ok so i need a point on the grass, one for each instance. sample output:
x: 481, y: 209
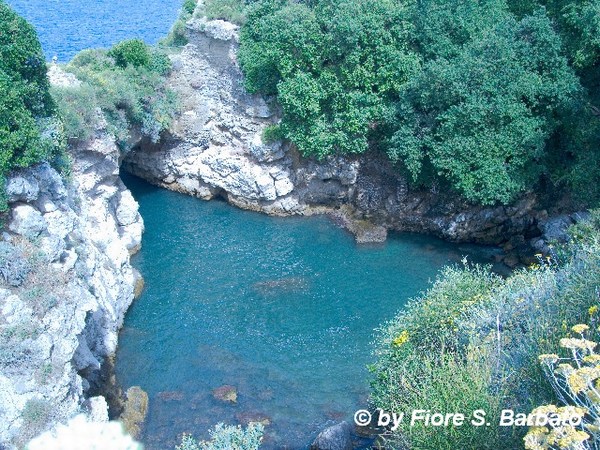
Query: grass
x: 126, y: 83
x: 472, y: 341
x: 230, y: 10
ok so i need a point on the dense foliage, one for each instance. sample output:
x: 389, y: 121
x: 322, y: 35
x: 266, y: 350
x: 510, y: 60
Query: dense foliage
x: 127, y: 83
x: 227, y: 437
x: 472, y: 342
x: 28, y: 132
x: 488, y: 97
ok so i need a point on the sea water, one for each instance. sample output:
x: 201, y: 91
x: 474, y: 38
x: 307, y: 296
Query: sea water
x: 281, y: 309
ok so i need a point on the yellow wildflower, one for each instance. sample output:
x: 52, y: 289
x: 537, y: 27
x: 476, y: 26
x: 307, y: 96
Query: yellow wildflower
x: 580, y: 328
x: 564, y: 369
x: 593, y: 310
x: 592, y: 359
x: 576, y: 382
x: 572, y: 437
x: 582, y: 344
x: 401, y: 339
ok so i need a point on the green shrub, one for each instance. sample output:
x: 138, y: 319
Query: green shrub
x: 472, y: 340
x: 127, y: 84
x: 132, y: 52
x: 36, y: 412
x: 176, y: 36
x: 28, y: 131
x: 36, y: 416
x: 22, y: 60
x: 442, y: 382
x: 189, y: 6
x: 272, y: 133
x: 76, y: 107
x: 230, y: 10
x: 226, y: 437
x: 159, y: 63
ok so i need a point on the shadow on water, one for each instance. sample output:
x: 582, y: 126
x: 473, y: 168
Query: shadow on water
x: 281, y: 309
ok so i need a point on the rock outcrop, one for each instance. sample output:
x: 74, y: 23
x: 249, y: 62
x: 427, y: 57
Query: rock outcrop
x: 215, y: 148
x: 65, y: 284
x: 336, y: 437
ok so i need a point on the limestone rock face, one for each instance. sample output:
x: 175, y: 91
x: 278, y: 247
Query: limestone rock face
x: 65, y: 284
x: 215, y: 147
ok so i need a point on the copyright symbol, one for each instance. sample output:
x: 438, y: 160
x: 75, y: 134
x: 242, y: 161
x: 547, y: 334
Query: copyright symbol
x: 362, y: 417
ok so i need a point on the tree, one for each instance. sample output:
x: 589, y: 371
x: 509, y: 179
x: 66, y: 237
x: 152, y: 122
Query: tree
x: 333, y: 67
x: 482, y: 118
x: 22, y: 59
x: 27, y: 133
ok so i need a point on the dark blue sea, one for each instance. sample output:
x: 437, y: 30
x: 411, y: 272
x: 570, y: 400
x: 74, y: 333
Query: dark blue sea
x: 66, y: 27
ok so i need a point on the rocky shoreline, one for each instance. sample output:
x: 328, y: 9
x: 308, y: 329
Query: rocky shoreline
x: 66, y: 282
x: 215, y: 148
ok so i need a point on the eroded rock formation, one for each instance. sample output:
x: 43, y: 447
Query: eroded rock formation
x: 215, y: 148
x: 65, y: 284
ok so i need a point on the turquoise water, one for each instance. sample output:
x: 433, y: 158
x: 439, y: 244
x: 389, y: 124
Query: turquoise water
x: 66, y: 27
x: 281, y: 308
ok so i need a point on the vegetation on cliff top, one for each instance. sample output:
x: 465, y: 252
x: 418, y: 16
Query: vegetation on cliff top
x: 490, y: 98
x: 127, y: 83
x: 29, y: 131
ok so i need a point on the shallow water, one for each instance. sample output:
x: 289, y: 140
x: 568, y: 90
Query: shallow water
x: 66, y: 27
x: 281, y: 308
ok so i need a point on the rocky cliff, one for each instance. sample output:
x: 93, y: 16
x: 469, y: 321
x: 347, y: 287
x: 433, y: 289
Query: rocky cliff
x: 215, y: 148
x: 65, y: 284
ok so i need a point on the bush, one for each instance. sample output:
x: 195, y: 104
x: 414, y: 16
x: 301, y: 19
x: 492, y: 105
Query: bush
x: 14, y: 267
x: 36, y: 416
x: 28, y: 132
x: 230, y: 10
x: 76, y: 106
x: 133, y: 52
x: 272, y: 133
x: 127, y: 83
x: 226, y: 437
x: 22, y: 60
x: 176, y: 36
x: 473, y: 339
x: 189, y: 6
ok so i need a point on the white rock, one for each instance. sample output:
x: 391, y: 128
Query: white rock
x: 127, y: 210
x: 58, y: 77
x: 283, y: 186
x: 22, y: 188
x: 26, y: 221
x: 97, y: 409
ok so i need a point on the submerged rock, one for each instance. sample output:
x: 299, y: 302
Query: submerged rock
x: 135, y: 411
x: 247, y: 417
x: 336, y: 437
x: 226, y: 394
